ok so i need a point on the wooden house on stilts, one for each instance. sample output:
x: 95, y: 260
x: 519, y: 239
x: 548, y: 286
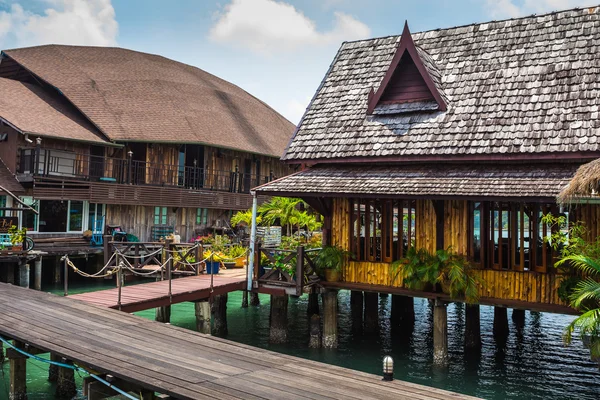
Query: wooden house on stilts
x: 458, y: 137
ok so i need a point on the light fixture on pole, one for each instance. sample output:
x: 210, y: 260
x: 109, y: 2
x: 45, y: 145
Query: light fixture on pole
x: 388, y: 368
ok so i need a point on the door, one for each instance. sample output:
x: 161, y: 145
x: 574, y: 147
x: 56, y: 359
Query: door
x: 247, y: 176
x: 96, y: 162
x: 138, y: 168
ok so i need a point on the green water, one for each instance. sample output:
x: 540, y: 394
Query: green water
x: 534, y: 363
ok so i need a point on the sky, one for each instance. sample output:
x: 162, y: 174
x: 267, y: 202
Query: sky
x: 277, y: 50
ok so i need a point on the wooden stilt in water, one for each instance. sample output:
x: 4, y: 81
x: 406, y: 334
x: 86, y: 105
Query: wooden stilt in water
x: 403, y: 311
x: 500, y: 323
x: 37, y: 274
x: 23, y: 274
x: 356, y: 309
x: 371, y: 316
x: 315, y: 332
x: 163, y: 314
x: 18, y: 375
x: 254, y: 300
x: 10, y: 273
x: 313, y: 304
x: 472, y: 327
x: 245, y: 299
x: 518, y: 318
x: 440, y: 334
x: 219, y: 315
x: 57, y: 269
x: 65, y: 387
x: 278, y: 319
x: 202, y: 311
x: 330, y: 328
x: 53, y: 369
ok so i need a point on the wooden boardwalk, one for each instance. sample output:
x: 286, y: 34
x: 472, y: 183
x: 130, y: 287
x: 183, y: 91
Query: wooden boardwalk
x: 182, y: 363
x: 156, y: 294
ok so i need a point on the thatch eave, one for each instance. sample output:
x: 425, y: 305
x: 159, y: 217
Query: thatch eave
x: 584, y: 184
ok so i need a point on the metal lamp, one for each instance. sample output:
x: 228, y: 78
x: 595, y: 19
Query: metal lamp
x: 388, y: 368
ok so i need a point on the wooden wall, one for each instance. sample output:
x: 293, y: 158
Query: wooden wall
x: 8, y: 148
x: 499, y: 285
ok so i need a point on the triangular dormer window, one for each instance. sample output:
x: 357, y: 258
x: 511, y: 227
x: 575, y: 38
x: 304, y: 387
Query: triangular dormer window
x: 410, y: 84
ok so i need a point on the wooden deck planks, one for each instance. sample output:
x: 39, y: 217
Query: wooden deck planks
x: 180, y: 362
x: 156, y: 294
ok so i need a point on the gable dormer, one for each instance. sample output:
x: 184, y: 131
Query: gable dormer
x: 411, y: 82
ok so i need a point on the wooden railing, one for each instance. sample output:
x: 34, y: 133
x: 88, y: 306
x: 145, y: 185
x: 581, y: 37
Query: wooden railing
x: 289, y: 270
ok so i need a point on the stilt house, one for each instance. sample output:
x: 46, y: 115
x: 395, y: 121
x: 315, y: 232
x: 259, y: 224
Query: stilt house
x: 458, y: 137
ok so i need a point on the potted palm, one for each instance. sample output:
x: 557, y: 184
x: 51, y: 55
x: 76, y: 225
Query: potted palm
x: 330, y: 260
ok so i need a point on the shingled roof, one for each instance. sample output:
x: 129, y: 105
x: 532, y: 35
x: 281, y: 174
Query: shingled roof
x: 9, y: 181
x: 479, y: 181
x: 133, y: 96
x: 31, y: 109
x: 526, y: 86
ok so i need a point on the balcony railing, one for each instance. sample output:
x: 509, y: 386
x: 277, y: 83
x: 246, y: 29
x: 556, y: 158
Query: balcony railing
x: 49, y: 163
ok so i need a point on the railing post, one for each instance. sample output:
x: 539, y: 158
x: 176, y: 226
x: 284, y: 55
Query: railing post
x: 299, y: 270
x: 257, y: 258
x: 168, y: 247
x: 136, y: 252
x: 66, y: 277
x: 197, y: 256
x: 120, y: 284
x: 129, y: 166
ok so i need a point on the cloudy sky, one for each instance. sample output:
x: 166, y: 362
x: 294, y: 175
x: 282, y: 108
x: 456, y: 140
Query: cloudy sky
x: 278, y: 50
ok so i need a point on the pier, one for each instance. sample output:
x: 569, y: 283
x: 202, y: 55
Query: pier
x: 154, y: 357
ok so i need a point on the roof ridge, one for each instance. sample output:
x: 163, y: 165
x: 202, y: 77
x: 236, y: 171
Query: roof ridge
x: 478, y: 23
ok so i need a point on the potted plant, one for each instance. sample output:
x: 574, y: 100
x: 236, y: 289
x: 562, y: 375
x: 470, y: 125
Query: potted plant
x: 17, y: 237
x: 237, y: 253
x: 330, y: 260
x: 456, y: 276
x: 413, y: 269
x: 213, y: 261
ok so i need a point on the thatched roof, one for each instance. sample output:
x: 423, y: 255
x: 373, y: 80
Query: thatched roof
x: 584, y: 182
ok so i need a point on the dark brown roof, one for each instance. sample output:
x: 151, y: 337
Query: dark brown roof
x: 9, y: 181
x: 522, y: 86
x: 426, y: 180
x: 31, y: 109
x: 133, y: 96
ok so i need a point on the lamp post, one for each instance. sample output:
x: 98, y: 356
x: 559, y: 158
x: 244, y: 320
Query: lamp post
x: 388, y: 368
x: 130, y: 156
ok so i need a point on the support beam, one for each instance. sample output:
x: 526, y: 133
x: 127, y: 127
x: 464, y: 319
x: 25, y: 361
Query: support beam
x: 371, y: 316
x: 472, y: 327
x: 254, y: 299
x: 10, y: 273
x: 65, y: 386
x: 500, y: 323
x: 57, y: 270
x: 356, y: 310
x: 37, y: 274
x: 440, y: 333
x: 202, y: 311
x: 219, y: 315
x: 330, y: 328
x: 245, y: 299
x: 53, y: 369
x: 403, y: 311
x: 18, y: 376
x: 23, y: 274
x: 315, y: 332
x: 518, y: 318
x: 278, y: 319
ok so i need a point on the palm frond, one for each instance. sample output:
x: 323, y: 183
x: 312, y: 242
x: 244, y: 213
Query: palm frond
x: 586, y: 291
x: 585, y: 264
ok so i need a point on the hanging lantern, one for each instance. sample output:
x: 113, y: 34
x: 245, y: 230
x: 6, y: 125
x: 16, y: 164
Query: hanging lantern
x: 388, y: 368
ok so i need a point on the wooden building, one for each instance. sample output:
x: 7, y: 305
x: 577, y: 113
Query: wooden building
x: 457, y: 137
x: 100, y: 136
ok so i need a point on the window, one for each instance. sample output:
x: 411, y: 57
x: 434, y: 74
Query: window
x: 75, y: 216
x: 509, y: 236
x: 381, y: 230
x: 30, y: 219
x: 160, y: 215
x: 96, y: 217
x: 201, y: 216
x: 2, y: 204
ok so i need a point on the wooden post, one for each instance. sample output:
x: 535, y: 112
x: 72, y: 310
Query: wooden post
x: 500, y: 325
x: 299, y: 270
x: 163, y: 314
x: 472, y: 327
x: 218, y: 311
x: 106, y: 241
x: 278, y: 319
x: 202, y: 311
x: 245, y: 299
x: 10, y: 273
x: 37, y: 274
x: 356, y: 310
x: 330, y: 328
x: 403, y: 311
x: 57, y: 268
x: 254, y: 299
x: 440, y: 334
x: 371, y: 316
x: 518, y: 318
x: 18, y: 376
x: 23, y: 273
x: 313, y: 303
x: 65, y: 387
x: 66, y: 276
x: 315, y: 332
x: 53, y: 369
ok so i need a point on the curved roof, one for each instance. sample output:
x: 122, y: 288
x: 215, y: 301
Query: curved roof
x: 31, y: 109
x: 133, y: 96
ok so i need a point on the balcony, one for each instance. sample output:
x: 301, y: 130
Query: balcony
x: 62, y: 164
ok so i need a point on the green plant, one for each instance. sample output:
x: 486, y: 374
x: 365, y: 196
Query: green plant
x: 244, y: 217
x: 235, y: 251
x: 331, y: 257
x: 412, y: 268
x: 285, y: 266
x: 458, y: 276
x: 567, y: 287
x: 16, y: 235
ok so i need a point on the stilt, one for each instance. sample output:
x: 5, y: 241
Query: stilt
x: 57, y: 268
x: 356, y: 310
x: 313, y: 304
x: 278, y: 319
x: 163, y: 314
x: 37, y: 274
x: 500, y: 322
x: 65, y: 388
x: 202, y: 311
x: 440, y: 334
x: 245, y: 299
x: 10, y: 273
x: 254, y: 300
x: 315, y: 332
x: 472, y: 327
x: 18, y: 376
x: 371, y: 317
x: 219, y: 315
x: 383, y: 295
x: 330, y: 328
x: 24, y: 274
x: 518, y: 318
x: 53, y: 369
x: 403, y: 311
x: 1, y: 353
